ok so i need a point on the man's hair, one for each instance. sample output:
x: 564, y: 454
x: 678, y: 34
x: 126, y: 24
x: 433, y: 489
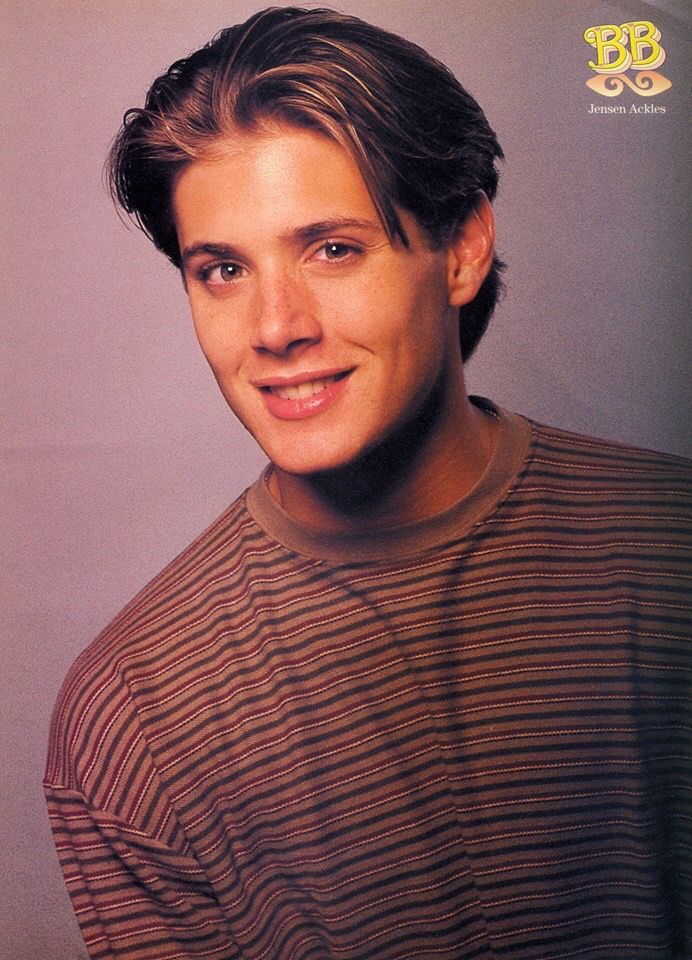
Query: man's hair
x: 421, y: 142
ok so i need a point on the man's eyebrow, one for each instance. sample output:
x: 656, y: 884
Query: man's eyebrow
x: 323, y: 228
x: 311, y: 231
x: 221, y: 250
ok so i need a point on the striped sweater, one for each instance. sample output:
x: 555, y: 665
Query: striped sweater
x: 464, y: 738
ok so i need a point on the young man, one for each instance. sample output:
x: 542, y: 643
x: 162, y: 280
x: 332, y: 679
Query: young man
x: 419, y: 691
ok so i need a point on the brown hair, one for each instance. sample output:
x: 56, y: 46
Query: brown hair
x: 421, y: 142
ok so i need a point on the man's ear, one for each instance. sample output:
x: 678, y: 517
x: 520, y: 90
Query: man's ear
x: 470, y: 253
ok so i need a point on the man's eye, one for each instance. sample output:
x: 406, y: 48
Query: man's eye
x: 334, y: 251
x: 220, y: 273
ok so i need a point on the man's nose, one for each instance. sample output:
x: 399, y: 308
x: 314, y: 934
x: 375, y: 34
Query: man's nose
x: 285, y: 318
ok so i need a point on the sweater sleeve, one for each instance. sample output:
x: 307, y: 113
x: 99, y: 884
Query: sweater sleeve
x: 134, y: 897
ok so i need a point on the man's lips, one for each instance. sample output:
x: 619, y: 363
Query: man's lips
x: 302, y: 395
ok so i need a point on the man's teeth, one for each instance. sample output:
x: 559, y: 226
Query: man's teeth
x: 299, y: 391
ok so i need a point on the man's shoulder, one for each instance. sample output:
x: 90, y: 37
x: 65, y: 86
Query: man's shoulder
x: 562, y: 453
x: 582, y: 484
x: 135, y: 647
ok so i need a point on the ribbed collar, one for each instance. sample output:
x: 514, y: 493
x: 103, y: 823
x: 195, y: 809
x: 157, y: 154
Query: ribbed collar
x: 510, y: 453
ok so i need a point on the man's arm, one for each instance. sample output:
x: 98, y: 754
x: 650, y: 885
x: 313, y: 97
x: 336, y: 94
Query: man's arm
x: 134, y: 897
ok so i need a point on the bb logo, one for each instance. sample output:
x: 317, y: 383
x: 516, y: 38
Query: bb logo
x: 631, y: 46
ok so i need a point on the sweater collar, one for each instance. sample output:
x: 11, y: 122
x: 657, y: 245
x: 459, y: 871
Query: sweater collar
x: 393, y: 542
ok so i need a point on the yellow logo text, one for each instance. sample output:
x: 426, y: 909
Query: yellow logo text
x: 634, y: 45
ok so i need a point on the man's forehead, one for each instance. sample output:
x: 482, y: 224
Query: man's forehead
x: 266, y: 137
x: 289, y: 179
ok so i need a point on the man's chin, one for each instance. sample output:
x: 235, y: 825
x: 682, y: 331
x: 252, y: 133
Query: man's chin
x: 313, y: 468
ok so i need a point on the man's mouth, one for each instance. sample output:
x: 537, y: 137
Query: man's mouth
x: 301, y: 391
x: 300, y: 397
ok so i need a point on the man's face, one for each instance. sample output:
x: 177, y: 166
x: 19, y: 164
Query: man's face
x: 324, y: 337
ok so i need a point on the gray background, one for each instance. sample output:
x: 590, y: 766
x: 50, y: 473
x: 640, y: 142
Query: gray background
x: 116, y: 448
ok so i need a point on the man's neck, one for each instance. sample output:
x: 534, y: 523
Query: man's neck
x: 414, y: 475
